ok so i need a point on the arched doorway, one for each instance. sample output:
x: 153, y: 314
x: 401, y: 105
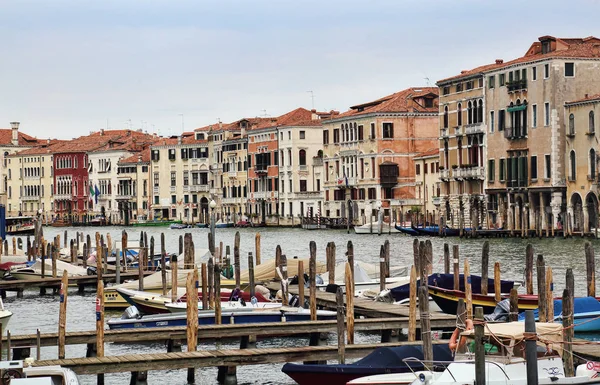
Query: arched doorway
x: 577, y: 215
x: 204, y: 217
x: 591, y: 202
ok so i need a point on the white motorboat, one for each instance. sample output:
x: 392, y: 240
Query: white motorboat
x: 19, y: 374
x: 35, y: 270
x: 4, y: 317
x: 504, y: 360
x: 389, y: 378
x: 181, y: 307
x: 375, y: 227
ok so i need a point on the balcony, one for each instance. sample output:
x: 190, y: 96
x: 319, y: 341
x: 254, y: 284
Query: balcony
x: 63, y: 197
x: 346, y: 182
x: 436, y: 200
x: 444, y: 132
x: 261, y: 169
x: 156, y: 189
x: 303, y: 167
x: 309, y: 195
x: 317, y: 161
x: 458, y: 130
x: 476, y: 128
x: 515, y: 133
x: 259, y: 195
x: 173, y: 189
x: 232, y: 201
x: 232, y: 174
x: 30, y: 198
x: 124, y: 196
x: 444, y: 174
x: 517, y: 85
x: 186, y: 188
x: 199, y: 188
x: 474, y: 172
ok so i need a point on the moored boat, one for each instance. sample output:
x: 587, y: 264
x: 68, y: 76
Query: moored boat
x: 406, y: 230
x: 21, y: 225
x: 181, y: 307
x: 235, y: 316
x: 447, y: 300
x: 586, y: 314
x: 376, y: 228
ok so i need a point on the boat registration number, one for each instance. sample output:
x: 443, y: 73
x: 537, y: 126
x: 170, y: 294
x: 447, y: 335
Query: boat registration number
x: 162, y: 323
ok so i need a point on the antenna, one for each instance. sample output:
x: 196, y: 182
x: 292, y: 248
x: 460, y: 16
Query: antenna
x: 428, y: 82
x: 264, y: 113
x: 312, y: 98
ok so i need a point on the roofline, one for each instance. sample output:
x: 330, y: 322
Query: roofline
x: 582, y: 102
x: 167, y: 146
x: 378, y: 114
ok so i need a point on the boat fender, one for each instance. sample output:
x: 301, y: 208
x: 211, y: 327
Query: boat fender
x: 453, y: 344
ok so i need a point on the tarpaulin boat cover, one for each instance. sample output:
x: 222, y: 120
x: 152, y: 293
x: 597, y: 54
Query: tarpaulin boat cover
x: 381, y: 360
x: 265, y: 272
x: 580, y: 305
x: 446, y: 281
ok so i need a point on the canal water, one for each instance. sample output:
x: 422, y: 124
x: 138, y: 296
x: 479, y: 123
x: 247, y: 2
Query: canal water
x: 33, y: 312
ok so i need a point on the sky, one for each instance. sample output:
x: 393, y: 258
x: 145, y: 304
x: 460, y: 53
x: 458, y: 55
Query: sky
x: 69, y: 67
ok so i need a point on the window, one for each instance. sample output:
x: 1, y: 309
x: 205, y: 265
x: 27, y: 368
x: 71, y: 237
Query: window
x: 546, y: 114
x: 502, y: 170
x: 546, y: 71
x: 302, y: 134
x: 569, y: 70
x: 303, y: 185
x: 372, y: 135
x: 470, y: 85
x: 491, y: 81
x: 533, y: 171
x: 533, y: 73
x: 361, y: 135
x: 336, y: 135
x: 418, y: 169
x: 534, y: 114
x: 445, y: 116
x: 459, y: 114
x: 571, y: 125
x: 591, y: 125
x: 501, y: 120
x: 501, y: 79
x: 573, y: 168
x: 424, y: 168
x: 459, y: 87
x: 491, y: 169
x: 547, y: 167
x: 290, y: 135
x: 480, y: 83
x: 173, y: 178
x: 173, y: 199
x: 388, y: 130
x: 446, y: 90
x: 302, y: 155
x: 428, y: 102
x: 325, y: 136
x: 492, y: 121
x: 592, y: 165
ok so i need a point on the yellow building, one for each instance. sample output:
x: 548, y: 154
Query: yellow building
x: 133, y: 189
x: 235, y: 172
x: 427, y: 167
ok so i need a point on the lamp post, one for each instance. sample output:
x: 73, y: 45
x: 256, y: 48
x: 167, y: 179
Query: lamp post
x: 212, y: 206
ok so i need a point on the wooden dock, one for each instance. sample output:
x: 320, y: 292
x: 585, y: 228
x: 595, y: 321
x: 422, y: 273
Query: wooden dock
x: 370, y: 308
x: 211, y: 358
x: 209, y: 332
x: 54, y: 283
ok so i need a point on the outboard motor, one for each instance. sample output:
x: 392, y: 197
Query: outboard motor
x: 91, y: 270
x: 385, y: 296
x: 131, y: 312
x: 501, y: 311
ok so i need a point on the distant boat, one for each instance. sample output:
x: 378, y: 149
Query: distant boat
x: 22, y: 225
x: 202, y: 225
x: 179, y: 226
x: 373, y: 228
x: 406, y: 230
x: 143, y: 221
x: 221, y: 225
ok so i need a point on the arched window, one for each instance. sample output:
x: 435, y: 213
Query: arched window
x: 573, y: 164
x: 592, y: 163
x: 571, y: 124
x: 445, y: 116
x: 592, y: 125
x: 480, y: 112
x: 459, y: 148
x: 470, y: 113
x: 302, y: 154
x: 459, y: 114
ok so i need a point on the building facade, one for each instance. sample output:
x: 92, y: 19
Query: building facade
x: 428, y: 184
x: 528, y: 140
x: 133, y: 189
x: 235, y: 173
x: 369, y: 154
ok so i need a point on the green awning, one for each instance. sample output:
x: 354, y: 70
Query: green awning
x: 517, y: 108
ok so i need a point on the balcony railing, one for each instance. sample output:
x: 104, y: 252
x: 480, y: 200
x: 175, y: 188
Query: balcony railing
x: 343, y: 182
x: 476, y: 128
x: 317, y: 161
x: 444, y: 174
x: 232, y: 201
x: 199, y: 188
x: 156, y: 189
x: 63, y: 197
x: 436, y: 200
x: 232, y: 174
x: 173, y: 188
x: 309, y: 195
x: 444, y: 132
x: 259, y: 195
x: 513, y: 133
x: 124, y: 197
x: 30, y: 198
x: 261, y: 168
x: 302, y: 167
x: 516, y: 85
x: 469, y: 173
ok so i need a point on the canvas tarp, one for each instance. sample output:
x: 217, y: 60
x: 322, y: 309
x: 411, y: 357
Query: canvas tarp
x: 550, y: 333
x: 265, y: 272
x: 154, y: 281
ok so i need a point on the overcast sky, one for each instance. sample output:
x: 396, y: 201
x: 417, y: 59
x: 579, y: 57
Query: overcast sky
x: 72, y: 66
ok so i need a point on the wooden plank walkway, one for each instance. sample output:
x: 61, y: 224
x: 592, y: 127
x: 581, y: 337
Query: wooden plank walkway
x: 369, y: 308
x: 85, y: 280
x: 209, y: 332
x: 210, y: 358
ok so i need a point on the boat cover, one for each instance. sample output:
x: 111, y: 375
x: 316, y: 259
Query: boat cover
x: 515, y: 331
x: 446, y: 281
x: 580, y: 305
x: 381, y: 360
x: 265, y: 272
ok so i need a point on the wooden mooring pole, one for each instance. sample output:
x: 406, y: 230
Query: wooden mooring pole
x: 192, y: 318
x: 349, y: 303
x: 62, y: 316
x: 257, y: 248
x: 425, y: 323
x: 590, y: 264
x: 412, y: 307
x: 456, y: 267
x: 468, y: 291
x: 339, y: 298
x: 541, y: 288
x: 100, y: 325
x: 485, y: 256
x: 529, y: 269
x: 312, y: 269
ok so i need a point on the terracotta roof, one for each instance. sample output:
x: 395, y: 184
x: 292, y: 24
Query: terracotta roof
x: 428, y: 153
x: 24, y: 139
x: 587, y: 98
x: 135, y: 158
x: 297, y: 117
x: 44, y: 148
x: 588, y: 47
x: 402, y: 101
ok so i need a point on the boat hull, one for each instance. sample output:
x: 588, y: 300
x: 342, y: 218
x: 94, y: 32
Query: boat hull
x: 407, y: 230
x: 374, y: 229
x: 208, y: 318
x: 447, y: 300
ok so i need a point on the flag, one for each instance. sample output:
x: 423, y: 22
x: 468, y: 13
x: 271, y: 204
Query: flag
x: 96, y: 192
x: 345, y: 178
x: 91, y: 190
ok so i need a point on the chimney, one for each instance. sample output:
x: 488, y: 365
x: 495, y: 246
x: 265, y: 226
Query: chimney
x: 15, y: 133
x: 314, y: 115
x: 139, y: 158
x: 586, y: 96
x: 499, y: 61
x: 463, y: 72
x: 101, y: 131
x: 179, y: 140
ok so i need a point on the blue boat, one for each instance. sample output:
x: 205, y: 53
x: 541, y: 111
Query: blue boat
x: 446, y: 281
x: 432, y: 231
x: 202, y: 225
x: 586, y: 314
x: 407, y: 230
x: 207, y: 317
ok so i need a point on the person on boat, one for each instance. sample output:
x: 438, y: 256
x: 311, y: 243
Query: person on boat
x: 455, y: 343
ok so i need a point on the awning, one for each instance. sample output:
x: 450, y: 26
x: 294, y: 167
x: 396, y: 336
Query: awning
x: 520, y: 107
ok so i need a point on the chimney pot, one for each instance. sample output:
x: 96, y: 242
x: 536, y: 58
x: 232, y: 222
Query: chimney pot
x: 586, y: 96
x: 499, y: 61
x: 15, y: 133
x: 463, y: 72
